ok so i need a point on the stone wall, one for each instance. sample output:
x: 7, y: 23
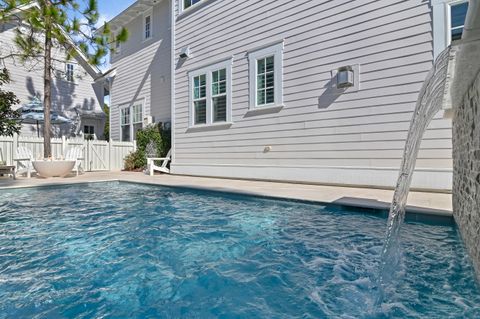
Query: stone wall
x: 466, y: 174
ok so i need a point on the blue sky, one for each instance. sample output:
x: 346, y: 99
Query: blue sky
x: 110, y: 8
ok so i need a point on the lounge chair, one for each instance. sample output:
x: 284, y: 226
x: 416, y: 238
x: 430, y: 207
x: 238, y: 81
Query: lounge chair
x: 24, y: 158
x: 151, y: 167
x: 75, y: 154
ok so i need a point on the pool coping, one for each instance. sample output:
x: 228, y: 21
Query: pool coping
x: 371, y: 206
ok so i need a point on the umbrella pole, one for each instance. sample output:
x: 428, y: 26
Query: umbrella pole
x: 38, y: 132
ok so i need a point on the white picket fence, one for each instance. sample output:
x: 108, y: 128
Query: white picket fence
x: 97, y: 155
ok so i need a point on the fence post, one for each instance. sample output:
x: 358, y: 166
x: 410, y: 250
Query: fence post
x: 134, y: 145
x: 64, y: 145
x: 109, y: 155
x: 14, y: 146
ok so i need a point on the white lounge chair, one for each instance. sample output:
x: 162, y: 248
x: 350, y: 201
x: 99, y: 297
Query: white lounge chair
x: 75, y: 154
x: 24, y: 158
x: 151, y: 167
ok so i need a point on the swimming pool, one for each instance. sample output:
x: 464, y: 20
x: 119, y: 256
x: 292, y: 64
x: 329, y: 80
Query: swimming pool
x: 121, y: 250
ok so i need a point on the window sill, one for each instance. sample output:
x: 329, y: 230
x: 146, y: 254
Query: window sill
x: 260, y: 110
x: 209, y: 127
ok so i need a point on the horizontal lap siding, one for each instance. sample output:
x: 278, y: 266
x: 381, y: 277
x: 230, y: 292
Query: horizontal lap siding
x: 143, y: 69
x: 27, y: 82
x: 392, y: 42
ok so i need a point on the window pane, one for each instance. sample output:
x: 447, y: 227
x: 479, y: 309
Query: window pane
x: 260, y: 97
x: 222, y: 88
x: 458, y: 14
x: 270, y: 64
x: 223, y: 74
x: 261, y: 66
x: 261, y: 81
x: 457, y: 34
x: 215, y: 76
x: 270, y: 98
x: 196, y: 81
x: 196, y: 93
x: 220, y: 109
x: 126, y: 133
x: 200, y: 112
x: 270, y: 79
x: 136, y: 127
x: 215, y: 88
x: 203, y: 79
x: 203, y: 91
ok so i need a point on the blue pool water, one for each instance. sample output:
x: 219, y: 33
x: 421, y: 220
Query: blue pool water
x: 118, y: 250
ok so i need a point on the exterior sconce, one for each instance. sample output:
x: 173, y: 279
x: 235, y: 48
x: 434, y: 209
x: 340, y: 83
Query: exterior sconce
x: 345, y: 77
x: 185, y: 53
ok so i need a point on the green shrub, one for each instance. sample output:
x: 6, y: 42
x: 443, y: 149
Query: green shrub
x: 156, y: 134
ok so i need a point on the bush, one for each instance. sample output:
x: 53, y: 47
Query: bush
x: 155, y: 134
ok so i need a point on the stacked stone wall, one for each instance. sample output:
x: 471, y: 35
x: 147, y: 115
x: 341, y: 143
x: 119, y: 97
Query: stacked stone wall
x: 466, y: 173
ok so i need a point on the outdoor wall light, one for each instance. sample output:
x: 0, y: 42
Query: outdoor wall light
x: 345, y: 77
x: 185, y: 53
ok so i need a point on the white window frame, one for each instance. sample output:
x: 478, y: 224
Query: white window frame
x: 182, y: 5
x: 131, y: 123
x: 449, y: 18
x: 275, y: 50
x: 67, y: 64
x: 225, y: 64
x: 442, y: 24
x: 118, y: 47
x: 146, y: 14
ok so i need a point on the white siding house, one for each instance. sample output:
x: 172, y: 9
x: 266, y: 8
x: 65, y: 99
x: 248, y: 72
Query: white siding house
x: 75, y: 94
x: 140, y: 87
x: 286, y: 117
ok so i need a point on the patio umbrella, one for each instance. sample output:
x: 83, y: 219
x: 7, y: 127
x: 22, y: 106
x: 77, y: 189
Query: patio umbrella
x: 32, y: 113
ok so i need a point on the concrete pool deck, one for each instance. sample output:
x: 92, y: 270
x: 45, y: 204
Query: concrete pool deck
x: 425, y: 203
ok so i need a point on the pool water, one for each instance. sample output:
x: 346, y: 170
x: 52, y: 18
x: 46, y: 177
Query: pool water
x: 121, y: 250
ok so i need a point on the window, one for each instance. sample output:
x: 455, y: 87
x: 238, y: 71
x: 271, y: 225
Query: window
x: 219, y: 95
x: 210, y: 94
x: 266, y: 68
x: 118, y: 47
x: 69, y: 72
x: 125, y: 124
x: 189, y: 3
x: 200, y: 99
x: 137, y: 119
x: 131, y: 121
x: 89, y: 132
x: 147, y: 27
x: 458, y: 14
x: 266, y: 81
x: 448, y: 21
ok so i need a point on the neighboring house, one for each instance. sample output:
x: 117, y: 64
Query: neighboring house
x: 304, y: 91
x: 75, y: 93
x: 140, y: 87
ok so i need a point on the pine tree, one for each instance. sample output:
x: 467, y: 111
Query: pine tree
x: 66, y: 24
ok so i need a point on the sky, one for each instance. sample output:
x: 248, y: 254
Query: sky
x: 110, y: 8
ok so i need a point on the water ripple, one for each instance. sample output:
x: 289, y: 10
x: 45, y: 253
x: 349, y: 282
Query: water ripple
x: 129, y: 251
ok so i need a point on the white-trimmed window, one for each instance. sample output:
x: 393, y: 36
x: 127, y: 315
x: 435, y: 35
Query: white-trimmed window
x: 137, y: 119
x: 131, y: 121
x: 125, y: 124
x: 147, y: 25
x: 189, y: 3
x: 266, y: 76
x: 118, y: 47
x: 70, y: 72
x: 448, y: 21
x: 457, y: 13
x: 211, y: 94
